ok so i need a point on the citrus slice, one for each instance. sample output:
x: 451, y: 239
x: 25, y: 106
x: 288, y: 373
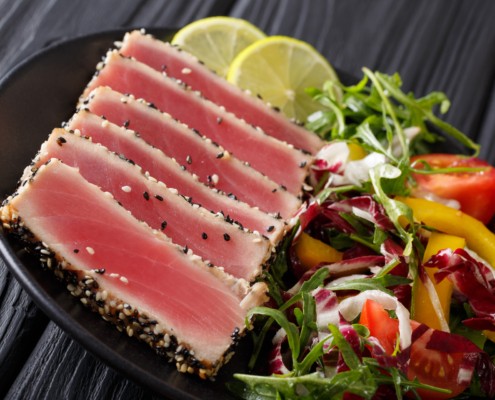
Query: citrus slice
x: 216, y: 41
x: 280, y: 69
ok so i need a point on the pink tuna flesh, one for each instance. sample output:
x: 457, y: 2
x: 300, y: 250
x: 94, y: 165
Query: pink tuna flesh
x: 89, y: 230
x: 213, y: 165
x: 152, y: 160
x: 280, y: 162
x: 183, y: 66
x: 241, y: 253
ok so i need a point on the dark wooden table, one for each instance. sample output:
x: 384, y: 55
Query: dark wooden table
x: 446, y: 45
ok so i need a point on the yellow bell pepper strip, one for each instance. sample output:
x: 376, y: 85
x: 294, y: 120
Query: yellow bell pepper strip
x: 312, y: 252
x: 356, y: 152
x: 454, y: 222
x: 424, y: 310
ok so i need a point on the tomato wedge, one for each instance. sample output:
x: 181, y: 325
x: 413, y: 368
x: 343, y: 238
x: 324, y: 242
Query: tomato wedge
x: 432, y: 367
x: 473, y: 190
x: 380, y: 324
x: 436, y: 368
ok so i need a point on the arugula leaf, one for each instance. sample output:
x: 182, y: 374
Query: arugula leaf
x: 380, y: 283
x: 395, y: 209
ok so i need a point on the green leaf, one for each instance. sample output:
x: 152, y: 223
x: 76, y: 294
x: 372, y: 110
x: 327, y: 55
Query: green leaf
x: 380, y: 283
x: 290, y: 328
x: 395, y: 209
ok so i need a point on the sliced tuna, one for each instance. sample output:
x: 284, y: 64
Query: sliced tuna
x: 212, y: 164
x: 128, y: 143
x: 182, y: 65
x: 274, y: 158
x: 134, y: 276
x: 240, y: 252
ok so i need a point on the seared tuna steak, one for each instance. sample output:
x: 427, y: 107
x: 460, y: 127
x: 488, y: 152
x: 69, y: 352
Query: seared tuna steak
x: 277, y: 160
x: 240, y: 252
x: 185, y: 67
x: 213, y: 165
x: 133, y: 276
x: 128, y: 143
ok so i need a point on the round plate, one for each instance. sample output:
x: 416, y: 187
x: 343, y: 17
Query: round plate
x: 35, y: 97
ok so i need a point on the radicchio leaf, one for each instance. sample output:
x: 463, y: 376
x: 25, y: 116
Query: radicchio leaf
x: 364, y: 207
x: 472, y: 279
x: 485, y: 370
x: 276, y: 363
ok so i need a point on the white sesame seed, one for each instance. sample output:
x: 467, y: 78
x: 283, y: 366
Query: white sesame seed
x: 215, y: 179
x: 186, y: 71
x: 126, y: 189
x: 90, y: 250
x: 124, y: 279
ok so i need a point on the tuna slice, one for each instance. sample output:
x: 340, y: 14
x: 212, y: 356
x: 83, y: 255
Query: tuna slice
x: 212, y: 164
x: 277, y: 160
x: 240, y: 252
x: 183, y: 66
x: 152, y: 160
x: 134, y: 276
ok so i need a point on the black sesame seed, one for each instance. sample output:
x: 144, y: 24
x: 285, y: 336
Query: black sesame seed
x: 204, y: 235
x: 196, y: 131
x: 283, y: 187
x: 186, y: 249
x: 274, y: 190
x: 189, y: 159
x: 164, y: 67
x: 226, y: 237
x: 277, y: 109
x: 126, y: 123
x: 270, y: 228
x: 158, y: 197
x: 219, y: 120
x: 152, y: 105
x: 303, y: 164
x: 220, y: 155
x: 76, y: 251
x: 146, y: 196
x: 164, y: 225
x: 61, y: 140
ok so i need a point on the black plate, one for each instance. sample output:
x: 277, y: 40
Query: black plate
x: 35, y: 97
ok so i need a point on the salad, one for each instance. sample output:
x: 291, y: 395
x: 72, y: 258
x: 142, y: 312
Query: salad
x: 386, y: 286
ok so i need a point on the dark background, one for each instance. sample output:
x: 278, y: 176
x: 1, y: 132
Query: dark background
x: 446, y: 45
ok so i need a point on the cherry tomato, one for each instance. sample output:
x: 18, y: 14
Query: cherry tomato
x: 435, y: 368
x: 431, y: 367
x: 473, y: 190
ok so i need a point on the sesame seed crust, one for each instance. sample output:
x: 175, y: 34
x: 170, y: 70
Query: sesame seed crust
x: 124, y: 316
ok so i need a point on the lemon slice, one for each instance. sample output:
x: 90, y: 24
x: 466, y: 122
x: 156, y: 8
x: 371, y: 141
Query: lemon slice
x: 216, y: 41
x: 279, y: 69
